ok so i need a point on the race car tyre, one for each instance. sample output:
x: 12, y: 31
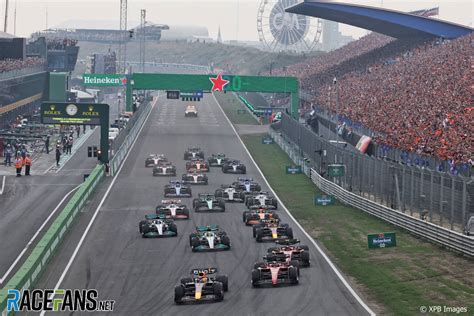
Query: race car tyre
x: 186, y: 280
x: 258, y: 188
x: 254, y: 229
x: 141, y: 225
x: 255, y: 277
x: 275, y: 203
x: 226, y: 240
x: 195, y: 243
x: 219, y: 193
x: 224, y: 170
x: 224, y: 280
x: 185, y: 212
x: 259, y: 265
x: 191, y: 239
x: 259, y: 235
x: 174, y: 228
x: 145, y: 230
x: 305, y: 258
x: 218, y: 290
x: 206, y: 181
x: 178, y: 294
x: 244, y: 170
x: 242, y: 196
x: 186, y: 156
x: 289, y: 232
x: 304, y: 247
x: 244, y: 216
x: 221, y: 204
x: 293, y: 274
x: 296, y: 264
x: 284, y: 225
x: 195, y: 203
x: 173, y: 172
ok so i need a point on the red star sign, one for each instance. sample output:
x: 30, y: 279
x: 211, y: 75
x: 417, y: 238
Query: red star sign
x: 124, y: 81
x: 218, y: 83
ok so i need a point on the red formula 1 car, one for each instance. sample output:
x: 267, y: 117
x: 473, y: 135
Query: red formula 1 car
x: 254, y: 217
x: 273, y: 272
x: 291, y: 251
x: 197, y: 165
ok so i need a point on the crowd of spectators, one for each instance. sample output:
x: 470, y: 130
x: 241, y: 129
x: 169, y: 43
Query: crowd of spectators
x: 416, y: 96
x: 17, y: 64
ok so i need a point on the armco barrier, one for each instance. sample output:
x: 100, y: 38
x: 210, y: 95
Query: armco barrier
x: 437, y: 234
x: 117, y: 160
x: 34, y: 265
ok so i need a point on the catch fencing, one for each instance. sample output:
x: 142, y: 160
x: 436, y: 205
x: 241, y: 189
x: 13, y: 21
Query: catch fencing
x: 436, y: 197
x: 435, y: 233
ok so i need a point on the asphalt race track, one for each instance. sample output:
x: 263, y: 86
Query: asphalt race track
x: 140, y: 274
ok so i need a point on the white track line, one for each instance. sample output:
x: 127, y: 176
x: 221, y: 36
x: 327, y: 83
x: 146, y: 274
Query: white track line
x: 35, y: 235
x: 84, y: 235
x: 333, y: 267
x: 3, y: 187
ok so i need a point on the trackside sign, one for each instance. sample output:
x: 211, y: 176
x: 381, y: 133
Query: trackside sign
x: 381, y: 240
x: 104, y: 80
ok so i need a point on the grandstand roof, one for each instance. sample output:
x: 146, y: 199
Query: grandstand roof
x: 389, y: 22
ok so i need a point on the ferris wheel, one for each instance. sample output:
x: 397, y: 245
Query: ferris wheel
x: 282, y: 31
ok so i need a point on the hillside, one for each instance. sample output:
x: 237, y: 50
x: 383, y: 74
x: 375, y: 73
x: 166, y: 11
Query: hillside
x: 238, y: 59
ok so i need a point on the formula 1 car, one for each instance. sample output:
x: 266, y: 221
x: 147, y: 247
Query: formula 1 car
x: 230, y: 194
x: 209, y: 238
x: 291, y: 251
x: 164, y: 168
x: 154, y: 159
x: 234, y: 166
x: 247, y: 185
x: 217, y: 160
x: 194, y: 178
x: 208, y: 203
x: 274, y: 273
x: 157, y: 226
x: 194, y: 152
x: 173, y: 209
x: 271, y: 230
x: 177, y: 189
x: 191, y: 111
x: 254, y: 217
x: 197, y: 165
x: 261, y: 200
x: 203, y: 285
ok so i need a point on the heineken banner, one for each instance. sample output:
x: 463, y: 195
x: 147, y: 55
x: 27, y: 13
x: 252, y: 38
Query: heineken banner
x: 381, y: 240
x: 104, y: 80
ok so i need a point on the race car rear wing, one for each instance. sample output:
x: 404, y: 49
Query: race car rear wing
x: 171, y: 201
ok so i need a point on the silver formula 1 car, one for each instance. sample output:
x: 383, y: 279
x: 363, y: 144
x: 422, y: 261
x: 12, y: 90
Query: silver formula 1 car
x: 173, y: 209
x: 164, y: 168
x: 234, y: 166
x: 208, y: 203
x: 261, y: 199
x: 209, y: 238
x: 230, y: 194
x: 154, y: 159
x: 177, y: 189
x: 194, y: 178
x: 217, y: 160
x: 157, y: 226
x: 193, y: 152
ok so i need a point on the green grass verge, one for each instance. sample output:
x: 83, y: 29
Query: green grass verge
x: 234, y: 109
x: 394, y: 281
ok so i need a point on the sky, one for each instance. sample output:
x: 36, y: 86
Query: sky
x: 237, y: 19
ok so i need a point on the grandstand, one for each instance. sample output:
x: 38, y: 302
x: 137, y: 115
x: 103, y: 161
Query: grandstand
x: 413, y: 93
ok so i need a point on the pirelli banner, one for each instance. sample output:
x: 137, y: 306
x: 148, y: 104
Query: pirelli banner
x: 73, y: 113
